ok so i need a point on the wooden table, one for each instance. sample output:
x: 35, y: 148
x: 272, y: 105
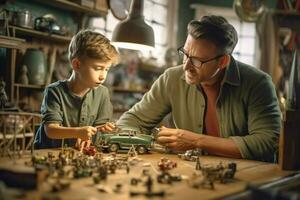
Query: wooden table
x: 248, y: 172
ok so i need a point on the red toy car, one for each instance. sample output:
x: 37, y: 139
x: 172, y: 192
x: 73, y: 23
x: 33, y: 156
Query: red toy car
x: 90, y: 151
x: 166, y: 164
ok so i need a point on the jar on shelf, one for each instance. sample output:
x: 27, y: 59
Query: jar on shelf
x: 34, y: 59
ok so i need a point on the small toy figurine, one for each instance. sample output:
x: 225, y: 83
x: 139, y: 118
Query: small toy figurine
x: 190, y: 155
x: 149, y: 193
x: 166, y: 164
x: 23, y: 78
x: 198, y: 164
x: 210, y: 173
x: 166, y: 177
x: 132, y: 152
x: 3, y: 96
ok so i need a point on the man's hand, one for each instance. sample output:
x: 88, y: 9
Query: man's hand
x: 177, y: 139
x: 109, y: 126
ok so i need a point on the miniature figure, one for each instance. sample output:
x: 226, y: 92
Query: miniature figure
x: 190, y: 155
x: 118, y: 188
x: 197, y: 180
x: 135, y: 181
x: 23, y: 78
x: 3, y: 96
x: 211, y: 173
x: 166, y: 164
x: 166, y: 177
x: 198, y: 164
x: 149, y: 192
x: 132, y: 152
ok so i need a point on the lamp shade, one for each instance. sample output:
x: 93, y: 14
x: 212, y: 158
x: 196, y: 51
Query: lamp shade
x: 133, y: 32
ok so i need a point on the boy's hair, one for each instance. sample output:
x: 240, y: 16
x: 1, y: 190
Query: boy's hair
x: 88, y: 43
x: 217, y: 30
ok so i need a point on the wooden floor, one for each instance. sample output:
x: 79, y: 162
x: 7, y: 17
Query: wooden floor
x: 248, y: 172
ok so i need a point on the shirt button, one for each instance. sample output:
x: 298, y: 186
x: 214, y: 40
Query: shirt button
x: 203, y: 106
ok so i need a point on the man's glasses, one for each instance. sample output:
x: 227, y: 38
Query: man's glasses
x: 196, y: 62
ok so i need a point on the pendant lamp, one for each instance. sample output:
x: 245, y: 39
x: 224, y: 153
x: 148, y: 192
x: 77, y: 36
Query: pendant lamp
x: 133, y: 32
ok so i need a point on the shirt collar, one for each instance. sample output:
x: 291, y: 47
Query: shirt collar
x: 232, y: 73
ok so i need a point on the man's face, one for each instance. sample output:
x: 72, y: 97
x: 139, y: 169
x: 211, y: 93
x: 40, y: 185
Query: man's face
x: 201, y: 61
x: 92, y: 72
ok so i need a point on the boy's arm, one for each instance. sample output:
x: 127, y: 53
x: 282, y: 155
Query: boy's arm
x: 56, y: 131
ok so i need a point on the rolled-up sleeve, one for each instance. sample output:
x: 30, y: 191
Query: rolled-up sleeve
x: 263, y: 123
x: 153, y: 107
x: 51, y: 107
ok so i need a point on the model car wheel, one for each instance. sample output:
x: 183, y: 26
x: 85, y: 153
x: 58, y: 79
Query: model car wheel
x: 141, y: 149
x: 113, y: 147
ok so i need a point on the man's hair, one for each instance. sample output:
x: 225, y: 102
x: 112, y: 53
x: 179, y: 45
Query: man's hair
x: 215, y: 29
x: 88, y: 43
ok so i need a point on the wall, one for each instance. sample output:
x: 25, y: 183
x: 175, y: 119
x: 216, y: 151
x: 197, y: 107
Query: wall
x: 186, y: 13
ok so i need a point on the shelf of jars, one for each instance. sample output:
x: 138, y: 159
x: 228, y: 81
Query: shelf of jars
x: 72, y: 6
x: 29, y: 86
x: 19, y: 31
x: 286, y: 12
x: 11, y: 42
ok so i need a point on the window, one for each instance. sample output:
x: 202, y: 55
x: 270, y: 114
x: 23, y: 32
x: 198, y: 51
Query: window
x: 245, y: 48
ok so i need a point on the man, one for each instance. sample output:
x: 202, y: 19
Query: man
x: 218, y: 104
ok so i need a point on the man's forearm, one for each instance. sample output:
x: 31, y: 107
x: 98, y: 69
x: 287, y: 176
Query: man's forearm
x: 218, y: 146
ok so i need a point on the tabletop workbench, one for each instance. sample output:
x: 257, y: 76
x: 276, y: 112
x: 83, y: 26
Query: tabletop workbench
x: 248, y: 172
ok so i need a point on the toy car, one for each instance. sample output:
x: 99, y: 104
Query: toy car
x: 124, y: 139
x: 166, y: 164
x: 90, y: 151
x: 190, y: 155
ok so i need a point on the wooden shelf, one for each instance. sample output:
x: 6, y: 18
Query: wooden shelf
x: 120, y: 89
x: 286, y: 12
x: 11, y: 42
x: 71, y: 6
x: 38, y: 34
x: 29, y: 86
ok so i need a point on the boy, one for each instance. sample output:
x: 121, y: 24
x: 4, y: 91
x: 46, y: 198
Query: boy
x: 73, y: 108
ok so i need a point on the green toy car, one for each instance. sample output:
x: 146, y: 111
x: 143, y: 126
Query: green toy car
x: 124, y: 139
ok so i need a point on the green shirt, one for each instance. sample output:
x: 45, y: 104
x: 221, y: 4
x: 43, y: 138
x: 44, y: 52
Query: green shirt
x: 247, y: 108
x: 61, y: 106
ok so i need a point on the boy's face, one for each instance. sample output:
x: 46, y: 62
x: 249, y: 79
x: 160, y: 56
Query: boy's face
x: 91, y: 72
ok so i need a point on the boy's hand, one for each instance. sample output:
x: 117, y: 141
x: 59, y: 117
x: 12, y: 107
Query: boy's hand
x: 109, y: 126
x: 80, y: 144
x: 86, y: 132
